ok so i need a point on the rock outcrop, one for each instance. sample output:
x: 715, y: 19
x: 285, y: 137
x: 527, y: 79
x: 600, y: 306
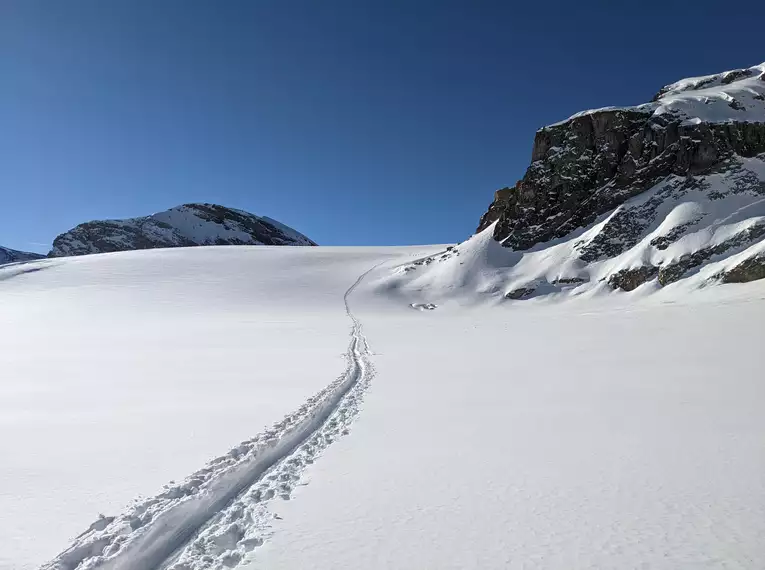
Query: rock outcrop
x: 623, y: 198
x: 750, y: 269
x: 8, y: 255
x: 182, y: 226
x: 702, y: 135
x: 593, y: 162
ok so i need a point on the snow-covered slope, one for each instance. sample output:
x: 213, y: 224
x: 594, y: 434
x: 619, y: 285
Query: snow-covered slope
x: 601, y: 432
x: 182, y: 226
x: 123, y: 372
x: 592, y: 434
x: 8, y: 255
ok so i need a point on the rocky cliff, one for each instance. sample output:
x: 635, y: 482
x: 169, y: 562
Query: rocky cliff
x: 182, y: 226
x: 615, y: 198
x: 703, y: 133
x: 594, y: 161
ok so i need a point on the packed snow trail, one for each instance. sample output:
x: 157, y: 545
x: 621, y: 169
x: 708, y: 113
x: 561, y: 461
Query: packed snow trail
x: 217, y: 515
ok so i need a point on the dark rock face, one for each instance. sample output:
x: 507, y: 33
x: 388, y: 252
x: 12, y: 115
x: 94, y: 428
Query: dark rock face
x: 596, y: 160
x: 183, y: 226
x: 568, y: 281
x: 520, y: 293
x: 591, y: 164
x: 630, y: 279
x: 8, y: 255
x: 750, y: 269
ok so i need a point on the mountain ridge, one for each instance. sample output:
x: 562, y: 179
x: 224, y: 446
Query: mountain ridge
x: 187, y: 225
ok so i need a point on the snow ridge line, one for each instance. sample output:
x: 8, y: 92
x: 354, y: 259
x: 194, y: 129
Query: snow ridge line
x: 213, y: 518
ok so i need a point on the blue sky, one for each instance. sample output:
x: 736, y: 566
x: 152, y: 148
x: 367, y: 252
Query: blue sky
x: 355, y: 121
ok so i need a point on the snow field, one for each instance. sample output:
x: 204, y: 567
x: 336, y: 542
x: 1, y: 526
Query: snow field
x: 124, y: 372
x: 596, y: 433
x: 587, y: 431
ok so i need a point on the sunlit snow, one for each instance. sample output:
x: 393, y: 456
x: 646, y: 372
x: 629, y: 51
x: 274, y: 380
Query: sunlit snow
x: 599, y: 430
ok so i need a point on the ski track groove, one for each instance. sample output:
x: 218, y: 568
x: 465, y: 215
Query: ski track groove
x: 219, y: 514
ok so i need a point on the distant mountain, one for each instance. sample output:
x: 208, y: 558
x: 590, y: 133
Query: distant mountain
x: 182, y: 226
x: 12, y: 255
x: 670, y: 190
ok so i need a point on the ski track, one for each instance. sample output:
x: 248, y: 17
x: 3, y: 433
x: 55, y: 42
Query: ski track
x: 217, y: 515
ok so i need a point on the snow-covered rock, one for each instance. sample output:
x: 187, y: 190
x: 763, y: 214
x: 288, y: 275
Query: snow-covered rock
x: 182, y: 226
x: 622, y: 196
x: 596, y: 160
x: 8, y: 255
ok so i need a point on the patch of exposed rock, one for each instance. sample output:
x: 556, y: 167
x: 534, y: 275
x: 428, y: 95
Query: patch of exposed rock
x: 630, y: 279
x: 751, y: 269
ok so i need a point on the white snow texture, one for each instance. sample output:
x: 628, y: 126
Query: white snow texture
x: 604, y: 431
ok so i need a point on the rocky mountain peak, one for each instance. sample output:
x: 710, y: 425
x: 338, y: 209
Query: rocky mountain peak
x: 595, y: 160
x: 8, y: 255
x: 182, y: 226
x: 668, y: 191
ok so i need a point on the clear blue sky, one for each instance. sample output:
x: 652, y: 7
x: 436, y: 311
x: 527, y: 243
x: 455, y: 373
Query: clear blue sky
x: 355, y: 121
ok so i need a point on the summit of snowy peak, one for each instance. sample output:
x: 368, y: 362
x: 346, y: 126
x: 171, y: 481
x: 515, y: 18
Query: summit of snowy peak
x: 718, y: 81
x: 182, y: 226
x: 730, y: 96
x: 736, y: 95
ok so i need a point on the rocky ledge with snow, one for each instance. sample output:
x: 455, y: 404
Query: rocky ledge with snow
x: 620, y: 197
x: 182, y: 226
x: 8, y: 255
